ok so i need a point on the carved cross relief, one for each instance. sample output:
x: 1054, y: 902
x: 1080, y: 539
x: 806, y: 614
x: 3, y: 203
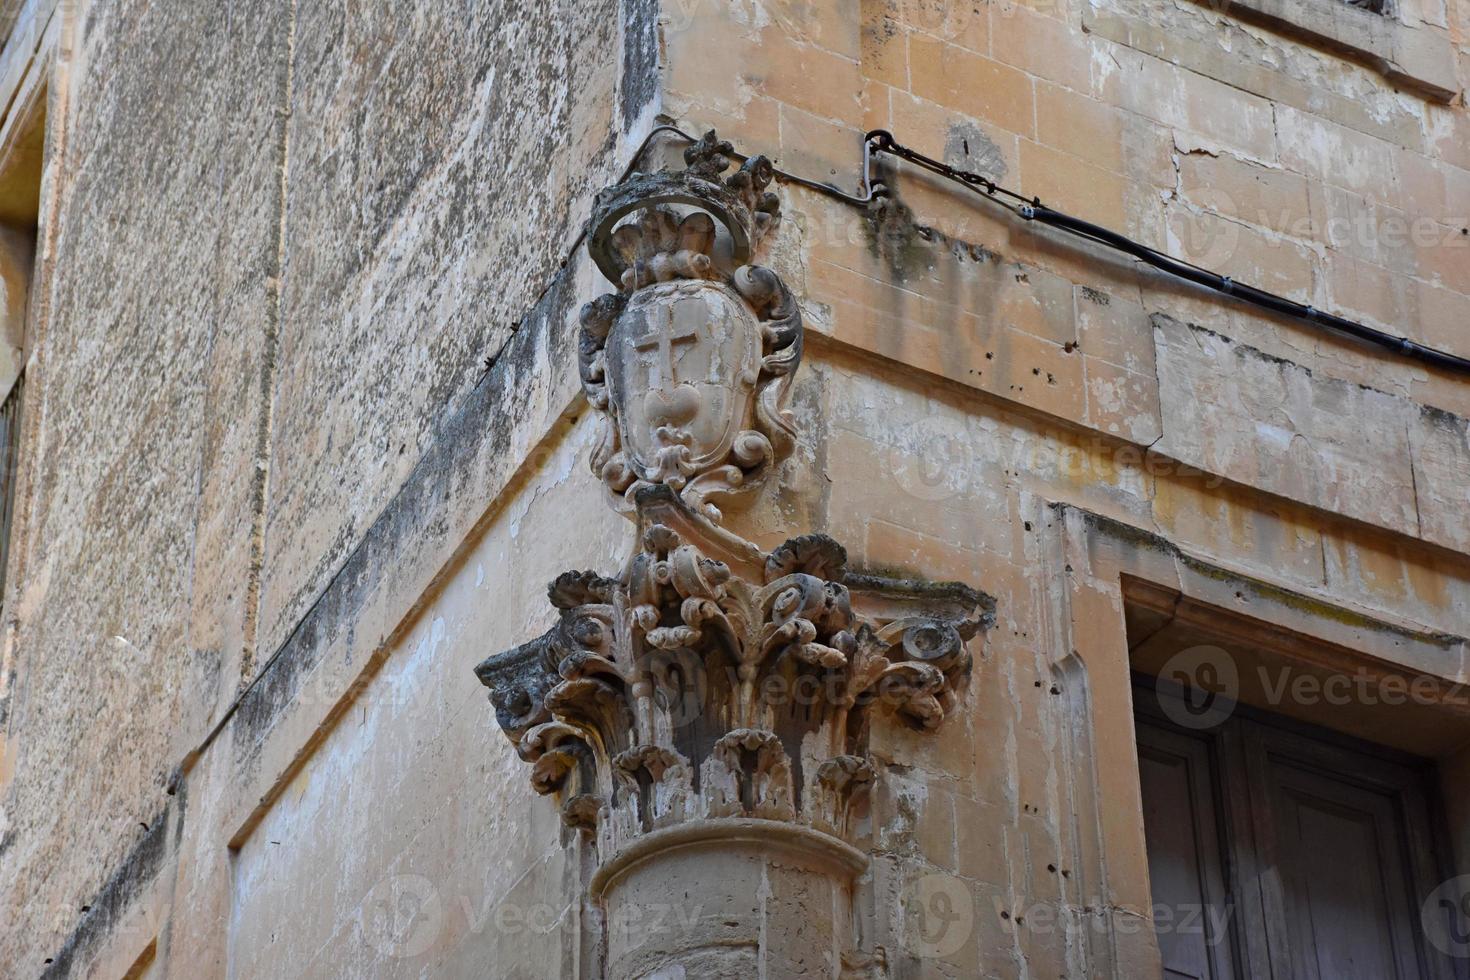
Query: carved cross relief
x: 679, y: 326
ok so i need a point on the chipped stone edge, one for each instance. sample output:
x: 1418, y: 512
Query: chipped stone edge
x: 1422, y: 59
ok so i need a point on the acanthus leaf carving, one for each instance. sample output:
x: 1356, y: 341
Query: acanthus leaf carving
x: 764, y: 675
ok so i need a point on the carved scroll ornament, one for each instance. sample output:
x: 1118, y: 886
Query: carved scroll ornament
x: 711, y: 679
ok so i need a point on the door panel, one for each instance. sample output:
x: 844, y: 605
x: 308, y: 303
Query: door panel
x: 1181, y: 825
x: 1322, y: 849
x: 1350, y: 837
x: 1346, y: 887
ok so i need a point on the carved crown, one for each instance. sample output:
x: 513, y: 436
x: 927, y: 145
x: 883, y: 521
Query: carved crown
x: 662, y: 244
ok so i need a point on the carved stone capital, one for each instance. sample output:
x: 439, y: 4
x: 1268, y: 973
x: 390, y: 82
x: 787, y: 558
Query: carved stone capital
x: 714, y: 681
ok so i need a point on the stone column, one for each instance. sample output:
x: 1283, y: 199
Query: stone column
x: 704, y: 715
x: 728, y: 900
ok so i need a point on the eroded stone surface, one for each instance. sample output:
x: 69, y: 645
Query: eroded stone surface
x: 440, y: 164
x: 978, y: 402
x: 216, y: 318
x: 146, y: 387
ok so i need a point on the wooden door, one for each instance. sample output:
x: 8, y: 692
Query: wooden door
x: 1186, y: 854
x: 1314, y: 852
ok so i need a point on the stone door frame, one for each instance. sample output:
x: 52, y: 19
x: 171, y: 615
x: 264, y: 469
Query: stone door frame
x: 1099, y: 565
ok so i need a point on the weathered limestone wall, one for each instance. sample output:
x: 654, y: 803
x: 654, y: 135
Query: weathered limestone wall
x: 285, y: 242
x: 999, y: 806
x: 306, y: 443
x: 409, y: 842
x: 141, y: 443
x: 439, y: 167
x: 982, y: 378
x: 1204, y: 147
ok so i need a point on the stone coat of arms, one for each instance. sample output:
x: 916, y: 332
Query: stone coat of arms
x: 692, y: 359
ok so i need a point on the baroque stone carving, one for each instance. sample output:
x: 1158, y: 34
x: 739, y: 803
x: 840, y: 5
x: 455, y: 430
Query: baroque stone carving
x: 711, y: 682
x: 692, y: 358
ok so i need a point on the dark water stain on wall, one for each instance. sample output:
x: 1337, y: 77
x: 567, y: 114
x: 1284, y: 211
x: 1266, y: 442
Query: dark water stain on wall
x: 640, y: 59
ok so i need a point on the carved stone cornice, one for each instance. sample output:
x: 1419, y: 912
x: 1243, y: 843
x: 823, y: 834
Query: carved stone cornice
x: 712, y: 684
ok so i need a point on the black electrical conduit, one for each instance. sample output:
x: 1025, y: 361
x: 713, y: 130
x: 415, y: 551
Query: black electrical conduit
x: 1031, y: 209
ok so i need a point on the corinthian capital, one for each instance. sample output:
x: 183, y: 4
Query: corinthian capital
x: 711, y: 680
